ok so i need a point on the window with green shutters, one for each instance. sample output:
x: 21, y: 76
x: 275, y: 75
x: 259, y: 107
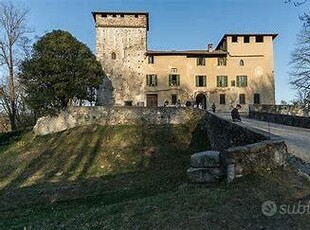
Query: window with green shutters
x: 201, y: 81
x: 201, y: 61
x: 222, y: 81
x: 242, y: 81
x: 174, y: 80
x: 151, y: 80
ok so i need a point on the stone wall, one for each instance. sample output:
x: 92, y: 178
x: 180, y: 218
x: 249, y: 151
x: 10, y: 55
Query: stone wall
x: 242, y: 150
x: 106, y: 115
x: 293, y: 110
x: 283, y: 114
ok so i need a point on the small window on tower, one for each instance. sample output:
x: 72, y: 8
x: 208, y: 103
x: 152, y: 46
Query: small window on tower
x: 113, y: 55
x: 150, y: 59
x: 234, y: 38
x: 241, y: 63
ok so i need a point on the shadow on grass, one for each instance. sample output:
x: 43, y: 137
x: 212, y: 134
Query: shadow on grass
x: 112, y: 164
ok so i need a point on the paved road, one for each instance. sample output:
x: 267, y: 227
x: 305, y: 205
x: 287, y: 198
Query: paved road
x: 296, y: 139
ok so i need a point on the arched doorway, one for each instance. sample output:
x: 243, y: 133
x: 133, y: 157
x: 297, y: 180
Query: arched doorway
x: 201, y: 99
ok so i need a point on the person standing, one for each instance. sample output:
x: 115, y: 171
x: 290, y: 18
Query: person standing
x: 235, y: 113
x: 213, y: 108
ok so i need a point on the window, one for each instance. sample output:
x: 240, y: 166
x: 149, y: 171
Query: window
x: 151, y: 80
x: 201, y: 61
x: 221, y: 81
x: 174, y: 80
x: 201, y: 81
x: 221, y: 61
x: 174, y: 99
x: 242, y: 98
x: 259, y: 38
x: 242, y: 81
x: 222, y: 99
x: 234, y: 38
x: 150, y: 59
x: 246, y: 39
x: 256, y: 98
x: 233, y: 83
x: 241, y: 63
x: 113, y: 55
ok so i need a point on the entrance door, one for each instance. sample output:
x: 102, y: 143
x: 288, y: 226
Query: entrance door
x: 201, y: 99
x: 151, y: 100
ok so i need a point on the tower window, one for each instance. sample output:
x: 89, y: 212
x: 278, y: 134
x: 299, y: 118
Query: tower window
x: 114, y: 15
x: 241, y: 63
x: 113, y: 55
x: 259, y: 38
x: 136, y: 15
x: 246, y: 39
x: 201, y: 61
x: 234, y: 38
x: 150, y: 59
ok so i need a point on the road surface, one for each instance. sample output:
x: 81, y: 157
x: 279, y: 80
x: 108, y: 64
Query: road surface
x: 297, y: 139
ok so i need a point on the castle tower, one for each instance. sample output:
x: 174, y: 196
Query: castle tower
x: 121, y: 43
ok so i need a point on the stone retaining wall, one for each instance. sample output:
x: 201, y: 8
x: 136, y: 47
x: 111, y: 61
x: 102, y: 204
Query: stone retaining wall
x: 292, y: 110
x: 296, y: 121
x: 109, y: 115
x: 242, y: 150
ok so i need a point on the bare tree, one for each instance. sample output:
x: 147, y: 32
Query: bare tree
x: 13, y: 43
x: 300, y: 59
x: 296, y: 2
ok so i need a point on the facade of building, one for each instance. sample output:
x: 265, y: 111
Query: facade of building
x: 239, y: 70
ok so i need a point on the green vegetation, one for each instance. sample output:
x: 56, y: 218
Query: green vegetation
x: 60, y: 69
x: 131, y: 177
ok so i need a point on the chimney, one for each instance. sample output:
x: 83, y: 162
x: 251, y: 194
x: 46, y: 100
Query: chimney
x: 210, y: 47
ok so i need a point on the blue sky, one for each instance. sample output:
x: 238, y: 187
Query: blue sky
x: 181, y: 24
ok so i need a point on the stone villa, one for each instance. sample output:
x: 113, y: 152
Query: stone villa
x: 239, y: 69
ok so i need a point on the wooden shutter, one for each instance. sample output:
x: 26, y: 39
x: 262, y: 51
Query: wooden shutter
x: 169, y: 80
x: 147, y: 80
x: 155, y: 76
x: 197, y: 81
x: 178, y: 80
x: 204, y: 81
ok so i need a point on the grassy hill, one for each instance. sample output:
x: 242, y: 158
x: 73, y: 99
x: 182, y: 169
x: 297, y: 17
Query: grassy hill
x: 131, y: 177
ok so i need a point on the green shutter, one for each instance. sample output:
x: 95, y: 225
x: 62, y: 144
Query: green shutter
x: 204, y: 81
x: 197, y: 81
x: 170, y: 80
x: 226, y: 81
x: 238, y: 81
x: 147, y: 80
x: 246, y: 81
x: 155, y: 80
x: 178, y: 80
x: 218, y: 81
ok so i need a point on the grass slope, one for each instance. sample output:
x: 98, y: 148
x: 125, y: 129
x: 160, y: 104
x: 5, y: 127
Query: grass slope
x: 126, y: 177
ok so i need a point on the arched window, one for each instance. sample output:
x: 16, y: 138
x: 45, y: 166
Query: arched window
x: 241, y: 63
x: 113, y: 55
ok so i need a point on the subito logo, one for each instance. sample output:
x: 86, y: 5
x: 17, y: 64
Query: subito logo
x: 269, y: 208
